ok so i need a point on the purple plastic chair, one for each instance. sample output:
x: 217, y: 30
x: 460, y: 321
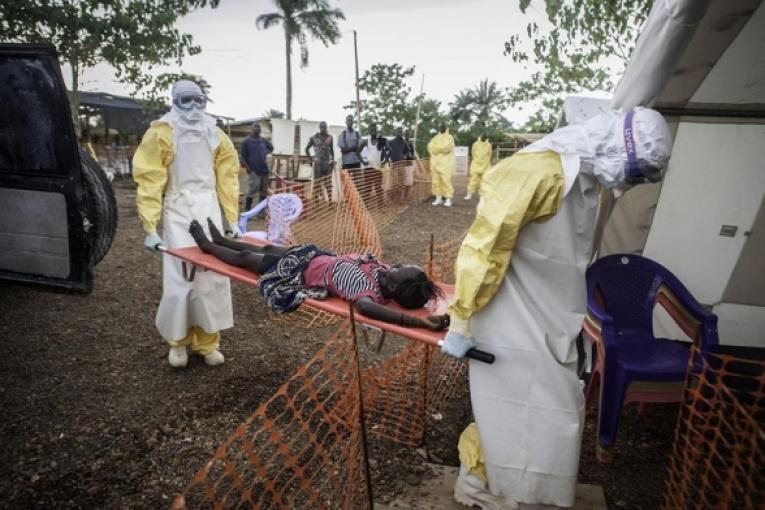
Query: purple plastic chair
x: 629, y: 362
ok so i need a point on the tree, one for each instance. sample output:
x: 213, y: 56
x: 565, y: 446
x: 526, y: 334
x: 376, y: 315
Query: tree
x: 156, y: 94
x: 386, y: 102
x: 479, y: 109
x: 301, y: 18
x: 132, y: 36
x: 589, y: 43
x: 273, y: 113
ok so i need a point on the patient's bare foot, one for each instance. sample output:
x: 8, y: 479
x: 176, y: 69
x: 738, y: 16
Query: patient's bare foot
x: 198, y: 233
x: 217, y: 237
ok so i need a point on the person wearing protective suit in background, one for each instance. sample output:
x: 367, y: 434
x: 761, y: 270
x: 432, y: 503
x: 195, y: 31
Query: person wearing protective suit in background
x: 481, y: 161
x: 441, y: 149
x: 192, y: 164
x: 520, y: 294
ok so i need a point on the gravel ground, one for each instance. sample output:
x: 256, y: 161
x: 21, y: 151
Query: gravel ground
x: 94, y: 417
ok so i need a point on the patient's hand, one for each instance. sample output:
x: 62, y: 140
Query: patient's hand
x: 436, y: 322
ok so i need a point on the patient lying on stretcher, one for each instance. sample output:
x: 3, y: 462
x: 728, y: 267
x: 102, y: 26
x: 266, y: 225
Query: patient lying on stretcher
x: 289, y: 275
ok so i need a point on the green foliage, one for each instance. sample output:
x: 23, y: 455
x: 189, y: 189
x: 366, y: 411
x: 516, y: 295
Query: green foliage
x: 479, y: 109
x: 273, y: 113
x: 130, y: 36
x: 156, y: 95
x: 387, y: 101
x: 301, y: 19
x: 590, y: 43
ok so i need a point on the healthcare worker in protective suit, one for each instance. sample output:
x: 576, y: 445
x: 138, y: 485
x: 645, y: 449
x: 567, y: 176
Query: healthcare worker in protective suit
x: 481, y: 161
x: 520, y: 294
x: 189, y: 163
x: 441, y: 150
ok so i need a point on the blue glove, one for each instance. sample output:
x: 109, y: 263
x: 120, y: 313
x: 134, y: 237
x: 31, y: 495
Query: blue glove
x: 235, y: 232
x: 152, y: 240
x: 456, y: 344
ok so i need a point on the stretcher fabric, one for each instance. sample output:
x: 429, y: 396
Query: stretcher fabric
x: 196, y: 257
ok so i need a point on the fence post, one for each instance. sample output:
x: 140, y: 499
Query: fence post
x: 362, y: 416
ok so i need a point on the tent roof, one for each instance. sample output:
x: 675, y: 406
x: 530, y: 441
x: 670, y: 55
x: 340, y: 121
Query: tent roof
x: 104, y: 100
x: 699, y: 58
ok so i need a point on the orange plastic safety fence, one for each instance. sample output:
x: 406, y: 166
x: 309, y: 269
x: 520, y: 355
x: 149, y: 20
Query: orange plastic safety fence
x: 304, y: 447
x: 345, y: 211
x: 718, y: 458
x: 439, y: 260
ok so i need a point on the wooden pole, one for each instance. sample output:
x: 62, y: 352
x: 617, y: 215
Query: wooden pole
x: 417, y: 119
x: 358, y: 96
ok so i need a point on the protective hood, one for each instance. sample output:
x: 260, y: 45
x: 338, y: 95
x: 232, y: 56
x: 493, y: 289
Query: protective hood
x: 192, y: 118
x: 598, y: 146
x: 607, y: 135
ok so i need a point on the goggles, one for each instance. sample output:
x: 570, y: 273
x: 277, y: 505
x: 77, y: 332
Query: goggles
x: 637, y: 171
x: 187, y: 102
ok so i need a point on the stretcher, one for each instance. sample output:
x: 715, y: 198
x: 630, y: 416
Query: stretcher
x: 193, y: 258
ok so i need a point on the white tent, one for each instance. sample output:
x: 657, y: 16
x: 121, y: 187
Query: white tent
x: 702, y: 65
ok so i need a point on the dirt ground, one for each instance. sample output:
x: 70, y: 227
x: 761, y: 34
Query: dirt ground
x: 94, y: 417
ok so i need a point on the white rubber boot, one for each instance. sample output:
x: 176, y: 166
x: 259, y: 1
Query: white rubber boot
x: 448, y: 202
x: 438, y: 200
x: 215, y: 358
x: 470, y: 490
x: 468, y: 196
x: 178, y: 357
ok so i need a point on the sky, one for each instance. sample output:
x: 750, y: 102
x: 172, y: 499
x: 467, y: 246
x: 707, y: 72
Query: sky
x: 454, y: 43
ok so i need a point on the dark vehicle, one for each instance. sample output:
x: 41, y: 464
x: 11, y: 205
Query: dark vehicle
x: 59, y: 213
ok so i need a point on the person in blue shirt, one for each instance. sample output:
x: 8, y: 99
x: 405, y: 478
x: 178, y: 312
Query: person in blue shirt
x: 254, y: 152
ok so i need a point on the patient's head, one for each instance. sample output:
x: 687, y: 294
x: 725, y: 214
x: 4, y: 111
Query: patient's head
x: 409, y: 286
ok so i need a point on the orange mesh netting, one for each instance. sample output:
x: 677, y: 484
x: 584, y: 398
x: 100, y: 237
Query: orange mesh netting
x: 718, y: 458
x: 305, y: 447
x: 345, y: 211
x: 440, y: 259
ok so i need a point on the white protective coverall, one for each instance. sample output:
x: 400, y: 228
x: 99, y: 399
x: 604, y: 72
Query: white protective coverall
x: 196, y: 166
x: 520, y: 288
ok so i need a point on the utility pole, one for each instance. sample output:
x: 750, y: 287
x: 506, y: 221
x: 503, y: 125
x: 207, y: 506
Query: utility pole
x: 358, y: 97
x: 417, y: 119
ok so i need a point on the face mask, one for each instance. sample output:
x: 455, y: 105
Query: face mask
x: 636, y: 171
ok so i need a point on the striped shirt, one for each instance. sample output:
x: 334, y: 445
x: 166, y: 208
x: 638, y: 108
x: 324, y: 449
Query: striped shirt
x: 349, y: 277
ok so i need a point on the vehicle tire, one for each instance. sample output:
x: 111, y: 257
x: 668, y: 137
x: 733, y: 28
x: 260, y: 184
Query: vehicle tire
x: 102, y: 206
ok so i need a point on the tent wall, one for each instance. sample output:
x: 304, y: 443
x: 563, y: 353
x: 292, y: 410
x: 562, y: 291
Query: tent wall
x: 701, y: 64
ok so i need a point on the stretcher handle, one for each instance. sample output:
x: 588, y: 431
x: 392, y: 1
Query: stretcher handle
x: 479, y: 355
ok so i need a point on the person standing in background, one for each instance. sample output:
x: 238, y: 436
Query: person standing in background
x: 481, y: 161
x: 254, y: 151
x: 441, y: 149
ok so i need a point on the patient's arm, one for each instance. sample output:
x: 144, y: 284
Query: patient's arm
x: 379, y: 312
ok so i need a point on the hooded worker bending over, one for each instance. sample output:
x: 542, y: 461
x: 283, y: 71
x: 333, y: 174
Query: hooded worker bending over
x: 520, y: 293
x: 480, y: 154
x: 441, y: 149
x: 193, y: 164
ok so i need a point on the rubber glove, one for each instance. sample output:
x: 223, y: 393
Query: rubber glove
x: 235, y: 232
x: 456, y: 344
x: 152, y: 240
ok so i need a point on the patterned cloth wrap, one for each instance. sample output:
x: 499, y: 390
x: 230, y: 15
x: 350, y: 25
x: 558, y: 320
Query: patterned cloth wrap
x: 282, y: 285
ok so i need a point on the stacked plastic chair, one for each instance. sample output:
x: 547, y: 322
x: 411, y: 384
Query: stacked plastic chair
x: 630, y: 363
x: 283, y: 210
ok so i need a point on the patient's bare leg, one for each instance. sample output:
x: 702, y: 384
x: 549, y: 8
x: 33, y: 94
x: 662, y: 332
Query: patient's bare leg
x: 247, y: 259
x: 220, y: 240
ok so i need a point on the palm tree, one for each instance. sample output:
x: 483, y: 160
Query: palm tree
x: 481, y: 105
x: 301, y: 18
